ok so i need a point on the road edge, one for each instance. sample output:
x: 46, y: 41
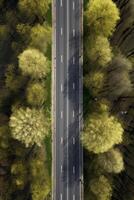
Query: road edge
x: 81, y: 97
x: 53, y: 93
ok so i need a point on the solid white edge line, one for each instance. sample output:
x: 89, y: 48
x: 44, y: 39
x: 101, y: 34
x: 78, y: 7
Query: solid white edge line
x: 67, y: 97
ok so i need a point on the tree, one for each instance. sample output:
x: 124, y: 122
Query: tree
x: 94, y: 82
x: 36, y: 94
x: 32, y: 62
x: 32, y: 9
x: 99, y: 51
x: 101, y: 187
x: 13, y: 78
x: 102, y: 16
x: 40, y: 37
x: 111, y: 161
x: 29, y: 126
x: 101, y: 133
x: 119, y: 78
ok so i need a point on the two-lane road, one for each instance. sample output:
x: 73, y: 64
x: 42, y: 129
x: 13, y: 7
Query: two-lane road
x: 67, y: 112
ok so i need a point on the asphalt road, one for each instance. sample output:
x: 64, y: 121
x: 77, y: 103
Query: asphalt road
x: 67, y: 151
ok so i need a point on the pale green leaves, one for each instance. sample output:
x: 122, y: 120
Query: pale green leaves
x: 111, y: 161
x: 101, y: 133
x: 29, y: 126
x: 101, y: 187
x: 32, y: 62
x: 102, y: 16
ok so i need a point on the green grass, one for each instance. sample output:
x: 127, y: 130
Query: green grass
x: 48, y: 143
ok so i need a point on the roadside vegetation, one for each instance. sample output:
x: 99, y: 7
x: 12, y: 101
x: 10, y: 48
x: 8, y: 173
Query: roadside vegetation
x: 25, y: 100
x: 108, y: 100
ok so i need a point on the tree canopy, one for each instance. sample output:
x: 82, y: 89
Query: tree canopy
x: 32, y: 62
x: 32, y: 9
x: 101, y: 187
x: 101, y: 133
x: 102, y: 16
x: 28, y: 126
x: 99, y: 51
x: 111, y: 161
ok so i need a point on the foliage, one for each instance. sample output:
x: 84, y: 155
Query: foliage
x: 101, y: 133
x: 40, y: 186
x: 33, y: 62
x: 111, y: 161
x: 99, y: 51
x: 40, y: 37
x: 119, y: 78
x: 19, y: 173
x: 32, y: 9
x: 102, y: 16
x: 101, y: 187
x: 28, y: 126
x: 14, y: 80
x: 94, y: 82
x: 36, y: 94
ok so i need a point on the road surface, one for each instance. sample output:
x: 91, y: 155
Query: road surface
x: 67, y: 151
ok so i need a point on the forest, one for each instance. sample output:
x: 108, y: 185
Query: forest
x: 108, y: 67
x: 25, y: 100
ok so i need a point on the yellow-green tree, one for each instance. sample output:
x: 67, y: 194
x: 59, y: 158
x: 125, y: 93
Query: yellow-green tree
x: 101, y: 133
x: 99, y: 51
x: 94, y: 82
x: 111, y: 161
x: 32, y: 62
x: 102, y: 16
x: 36, y: 94
x: 40, y: 37
x: 32, y: 9
x: 101, y: 188
x: 29, y: 126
